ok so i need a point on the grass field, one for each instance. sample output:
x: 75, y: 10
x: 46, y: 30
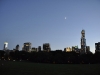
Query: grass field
x: 26, y: 68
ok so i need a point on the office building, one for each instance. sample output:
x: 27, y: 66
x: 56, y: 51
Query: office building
x: 87, y: 49
x: 17, y: 47
x: 5, y: 45
x: 68, y: 49
x: 83, y: 42
x: 75, y: 48
x: 97, y: 47
x: 27, y: 47
x: 46, y: 47
x: 34, y: 49
x: 39, y: 48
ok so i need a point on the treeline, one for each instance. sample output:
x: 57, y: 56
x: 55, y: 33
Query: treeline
x: 55, y: 57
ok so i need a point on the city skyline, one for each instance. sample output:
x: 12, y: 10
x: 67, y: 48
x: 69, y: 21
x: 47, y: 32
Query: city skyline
x: 56, y: 22
x: 27, y: 46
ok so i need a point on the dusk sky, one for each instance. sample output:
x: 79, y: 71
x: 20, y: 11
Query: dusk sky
x: 58, y: 22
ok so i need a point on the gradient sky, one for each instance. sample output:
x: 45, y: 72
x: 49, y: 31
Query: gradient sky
x: 43, y: 21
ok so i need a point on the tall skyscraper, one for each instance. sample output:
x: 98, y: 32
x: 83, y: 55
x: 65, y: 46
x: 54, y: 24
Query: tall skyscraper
x: 83, y: 42
x: 5, y: 45
x: 27, y: 47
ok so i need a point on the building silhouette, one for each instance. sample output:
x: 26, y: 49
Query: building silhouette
x: 74, y: 48
x: 39, y: 48
x: 34, y: 49
x: 46, y: 47
x: 97, y: 47
x: 68, y: 49
x: 17, y: 47
x: 83, y: 42
x: 5, y: 45
x: 87, y: 49
x: 27, y: 47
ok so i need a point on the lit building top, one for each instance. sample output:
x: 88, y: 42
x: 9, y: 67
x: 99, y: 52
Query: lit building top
x: 68, y: 49
x: 83, y: 31
x: 5, y: 42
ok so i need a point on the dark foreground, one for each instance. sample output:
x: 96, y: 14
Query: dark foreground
x: 26, y: 68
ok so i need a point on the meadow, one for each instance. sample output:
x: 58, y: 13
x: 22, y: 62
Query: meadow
x: 28, y: 68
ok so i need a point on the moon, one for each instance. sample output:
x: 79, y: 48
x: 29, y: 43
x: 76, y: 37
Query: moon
x: 65, y: 17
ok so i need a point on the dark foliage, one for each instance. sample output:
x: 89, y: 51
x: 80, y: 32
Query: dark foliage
x: 55, y: 57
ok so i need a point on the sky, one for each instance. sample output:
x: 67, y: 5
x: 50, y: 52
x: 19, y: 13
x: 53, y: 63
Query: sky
x: 58, y: 22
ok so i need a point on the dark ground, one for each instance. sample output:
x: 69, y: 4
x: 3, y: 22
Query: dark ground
x: 27, y: 68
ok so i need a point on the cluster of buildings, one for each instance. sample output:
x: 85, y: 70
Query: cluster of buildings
x: 46, y: 46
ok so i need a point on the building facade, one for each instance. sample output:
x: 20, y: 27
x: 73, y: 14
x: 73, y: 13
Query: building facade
x: 83, y: 42
x: 5, y: 45
x: 39, y: 48
x: 74, y: 48
x: 87, y: 49
x: 46, y: 47
x: 68, y: 49
x: 17, y: 47
x: 97, y: 47
x: 27, y: 47
x: 34, y: 49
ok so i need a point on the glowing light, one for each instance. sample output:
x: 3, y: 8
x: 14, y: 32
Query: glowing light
x: 5, y: 45
x: 27, y: 45
x: 65, y: 17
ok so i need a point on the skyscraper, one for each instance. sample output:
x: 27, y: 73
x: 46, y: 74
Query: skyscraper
x: 83, y: 42
x: 27, y: 46
x: 97, y: 47
x: 46, y: 47
x: 5, y: 45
